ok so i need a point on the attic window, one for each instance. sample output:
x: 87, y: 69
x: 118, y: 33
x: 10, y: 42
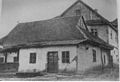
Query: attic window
x: 78, y: 13
x: 94, y: 32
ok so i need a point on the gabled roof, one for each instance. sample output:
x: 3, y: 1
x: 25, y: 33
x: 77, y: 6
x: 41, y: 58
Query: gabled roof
x: 56, y: 31
x: 102, y: 18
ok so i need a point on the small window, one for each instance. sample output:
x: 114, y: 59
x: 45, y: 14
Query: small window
x: 65, y: 57
x: 15, y: 59
x: 94, y: 56
x: 78, y: 13
x: 104, y: 59
x: 1, y: 60
x: 111, y: 34
x: 32, y: 57
x: 94, y: 32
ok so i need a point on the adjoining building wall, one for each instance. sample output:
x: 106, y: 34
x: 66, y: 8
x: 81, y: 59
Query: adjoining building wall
x: 10, y: 57
x: 110, y: 36
x: 41, y: 59
x: 85, y: 57
x: 102, y: 31
x: 113, y: 37
x: 113, y: 40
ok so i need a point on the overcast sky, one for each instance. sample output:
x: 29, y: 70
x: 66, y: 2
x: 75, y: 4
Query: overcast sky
x: 15, y: 11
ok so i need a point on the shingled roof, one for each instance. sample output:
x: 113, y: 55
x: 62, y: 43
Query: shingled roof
x: 56, y: 31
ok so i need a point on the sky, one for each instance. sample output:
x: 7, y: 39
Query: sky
x: 17, y: 11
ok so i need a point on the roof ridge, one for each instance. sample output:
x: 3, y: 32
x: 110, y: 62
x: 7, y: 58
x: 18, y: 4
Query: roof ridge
x: 47, y: 19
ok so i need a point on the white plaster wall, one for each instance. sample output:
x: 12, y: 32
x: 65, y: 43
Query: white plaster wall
x: 41, y: 59
x: 85, y: 57
x: 10, y: 57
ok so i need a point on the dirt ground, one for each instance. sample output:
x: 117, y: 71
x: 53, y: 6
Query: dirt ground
x: 107, y: 74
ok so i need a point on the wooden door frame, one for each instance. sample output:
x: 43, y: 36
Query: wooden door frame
x: 48, y: 61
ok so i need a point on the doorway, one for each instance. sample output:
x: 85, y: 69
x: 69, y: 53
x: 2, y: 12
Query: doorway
x: 52, y: 62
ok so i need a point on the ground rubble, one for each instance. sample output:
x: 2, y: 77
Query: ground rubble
x: 108, y: 74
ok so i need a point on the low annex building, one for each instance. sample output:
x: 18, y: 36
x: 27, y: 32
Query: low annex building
x: 62, y: 44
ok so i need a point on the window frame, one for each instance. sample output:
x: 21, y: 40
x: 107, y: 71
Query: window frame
x: 94, y: 31
x: 65, y: 56
x: 32, y: 59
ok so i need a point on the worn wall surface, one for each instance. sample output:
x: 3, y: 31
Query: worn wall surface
x: 102, y: 31
x: 41, y: 59
x: 85, y: 57
x: 85, y: 12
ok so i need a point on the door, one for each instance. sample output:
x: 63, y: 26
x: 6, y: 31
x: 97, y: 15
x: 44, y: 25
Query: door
x: 52, y: 62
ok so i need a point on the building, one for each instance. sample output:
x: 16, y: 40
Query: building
x: 61, y: 44
x: 96, y: 24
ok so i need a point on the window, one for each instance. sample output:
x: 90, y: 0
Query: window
x: 1, y: 59
x: 15, y: 59
x: 104, y: 59
x: 94, y: 32
x: 94, y: 56
x: 32, y: 57
x: 78, y: 13
x: 111, y: 34
x: 65, y: 57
